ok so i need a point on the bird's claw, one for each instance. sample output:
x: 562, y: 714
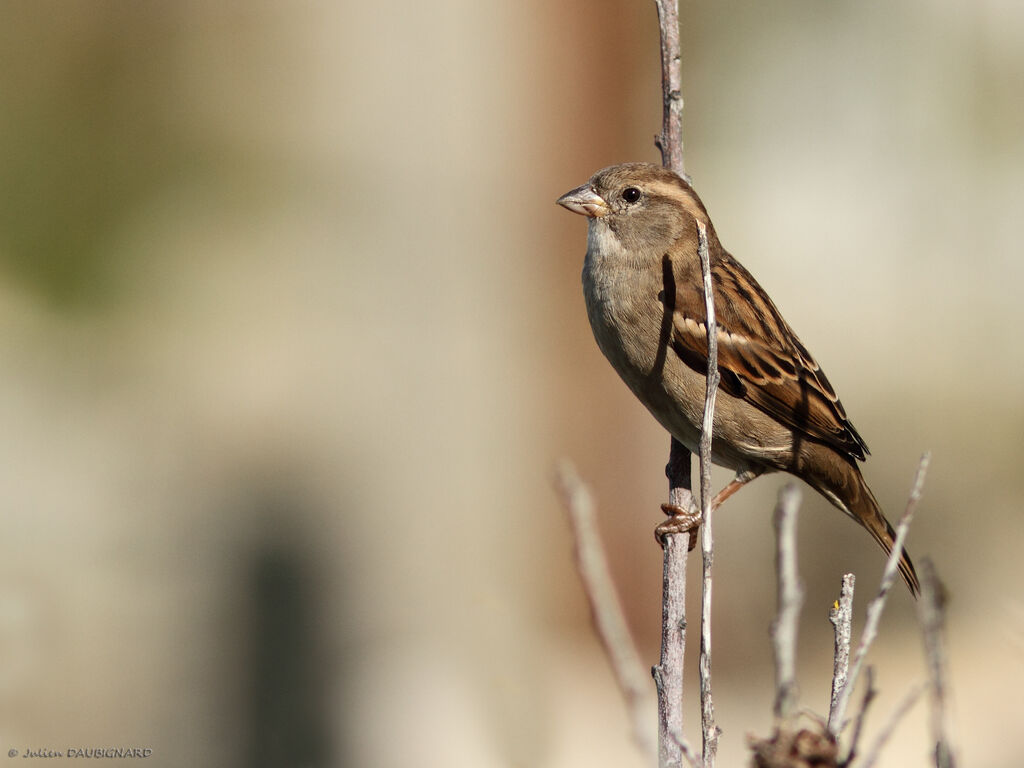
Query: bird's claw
x: 680, y: 520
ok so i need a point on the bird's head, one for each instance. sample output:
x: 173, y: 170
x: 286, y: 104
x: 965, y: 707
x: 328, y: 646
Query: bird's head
x: 646, y: 207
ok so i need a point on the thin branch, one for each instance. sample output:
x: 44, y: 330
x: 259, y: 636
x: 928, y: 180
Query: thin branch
x: 707, y: 708
x: 605, y: 607
x: 790, y: 601
x: 670, y: 141
x: 890, y: 727
x: 932, y: 613
x: 858, y: 726
x: 876, y: 606
x: 841, y: 616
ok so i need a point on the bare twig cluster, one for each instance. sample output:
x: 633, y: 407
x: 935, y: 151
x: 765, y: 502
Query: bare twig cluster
x: 792, y: 744
x: 818, y: 743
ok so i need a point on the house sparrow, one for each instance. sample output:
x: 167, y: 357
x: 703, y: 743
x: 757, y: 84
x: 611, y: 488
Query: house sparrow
x: 776, y: 410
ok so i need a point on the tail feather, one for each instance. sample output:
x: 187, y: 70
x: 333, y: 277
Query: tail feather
x: 845, y: 487
x: 883, y: 533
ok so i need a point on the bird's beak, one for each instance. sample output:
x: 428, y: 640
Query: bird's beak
x: 584, y: 200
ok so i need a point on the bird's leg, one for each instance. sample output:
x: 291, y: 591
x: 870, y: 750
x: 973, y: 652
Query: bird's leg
x: 743, y: 477
x: 683, y: 515
x: 682, y: 520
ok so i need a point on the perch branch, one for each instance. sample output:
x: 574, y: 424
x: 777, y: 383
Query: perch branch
x: 668, y: 674
x: 605, y: 607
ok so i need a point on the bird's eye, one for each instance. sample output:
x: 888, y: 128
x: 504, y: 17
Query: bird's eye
x: 631, y: 194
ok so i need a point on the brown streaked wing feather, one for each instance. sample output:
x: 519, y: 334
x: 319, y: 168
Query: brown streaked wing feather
x: 761, y: 359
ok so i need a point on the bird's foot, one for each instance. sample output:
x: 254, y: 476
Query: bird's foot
x: 680, y: 520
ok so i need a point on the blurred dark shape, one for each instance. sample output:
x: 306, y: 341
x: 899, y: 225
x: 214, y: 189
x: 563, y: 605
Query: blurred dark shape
x: 288, y: 680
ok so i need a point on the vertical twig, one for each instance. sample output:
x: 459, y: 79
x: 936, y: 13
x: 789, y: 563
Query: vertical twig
x: 605, y: 608
x: 790, y: 601
x: 707, y: 707
x: 875, y: 607
x: 841, y: 616
x: 668, y: 675
x: 670, y: 141
x: 932, y: 613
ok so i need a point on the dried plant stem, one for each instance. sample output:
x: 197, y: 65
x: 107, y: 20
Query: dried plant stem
x: 841, y: 616
x: 609, y: 619
x: 876, y: 606
x: 932, y: 613
x: 790, y: 601
x: 707, y: 708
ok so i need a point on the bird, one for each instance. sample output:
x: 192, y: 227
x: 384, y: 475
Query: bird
x: 776, y: 410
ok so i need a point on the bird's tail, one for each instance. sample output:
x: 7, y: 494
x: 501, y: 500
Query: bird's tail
x: 848, y: 491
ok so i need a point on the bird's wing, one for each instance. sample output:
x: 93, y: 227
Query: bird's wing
x: 760, y: 358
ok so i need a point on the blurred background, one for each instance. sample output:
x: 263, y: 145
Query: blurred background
x: 292, y: 338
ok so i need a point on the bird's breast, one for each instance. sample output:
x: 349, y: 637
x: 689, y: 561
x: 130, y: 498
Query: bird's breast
x: 624, y: 309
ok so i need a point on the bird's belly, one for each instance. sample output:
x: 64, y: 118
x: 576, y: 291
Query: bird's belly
x: 634, y: 335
